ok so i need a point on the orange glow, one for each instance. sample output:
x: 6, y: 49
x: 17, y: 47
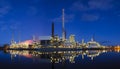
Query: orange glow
x: 27, y: 42
x: 27, y: 56
x: 117, y: 48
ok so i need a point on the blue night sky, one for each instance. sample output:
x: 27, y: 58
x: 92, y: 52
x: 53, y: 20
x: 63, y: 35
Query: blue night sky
x: 84, y: 18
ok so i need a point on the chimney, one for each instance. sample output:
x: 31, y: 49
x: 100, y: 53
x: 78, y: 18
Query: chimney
x: 52, y: 29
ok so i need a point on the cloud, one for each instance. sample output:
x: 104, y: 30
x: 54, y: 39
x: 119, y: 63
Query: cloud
x: 32, y: 11
x: 68, y: 18
x: 79, y: 6
x: 100, y: 4
x: 92, y: 5
x: 4, y: 28
x: 10, y: 25
x: 2, y: 22
x: 88, y: 7
x: 4, y: 8
x: 14, y: 25
x: 89, y: 17
x: 35, y: 1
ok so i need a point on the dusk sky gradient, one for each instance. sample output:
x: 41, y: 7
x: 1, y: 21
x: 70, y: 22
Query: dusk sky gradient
x: 84, y: 18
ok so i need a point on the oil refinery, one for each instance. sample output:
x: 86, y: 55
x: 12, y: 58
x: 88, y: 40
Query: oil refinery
x: 54, y: 41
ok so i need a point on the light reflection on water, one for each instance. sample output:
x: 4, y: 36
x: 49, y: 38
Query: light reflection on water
x: 56, y: 56
x: 61, y: 59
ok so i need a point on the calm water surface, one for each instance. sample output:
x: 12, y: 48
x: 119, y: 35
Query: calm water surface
x: 87, y: 59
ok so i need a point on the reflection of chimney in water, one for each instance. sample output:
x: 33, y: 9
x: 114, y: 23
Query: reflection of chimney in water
x: 53, y: 29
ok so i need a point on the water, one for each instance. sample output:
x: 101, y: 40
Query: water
x: 83, y: 59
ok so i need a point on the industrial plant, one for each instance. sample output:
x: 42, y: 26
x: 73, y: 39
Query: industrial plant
x: 55, y: 41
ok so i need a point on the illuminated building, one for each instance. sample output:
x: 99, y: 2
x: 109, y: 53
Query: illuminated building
x: 117, y: 48
x: 82, y: 45
x: 55, y: 42
x: 45, y: 41
x: 93, y: 44
x: 72, y: 38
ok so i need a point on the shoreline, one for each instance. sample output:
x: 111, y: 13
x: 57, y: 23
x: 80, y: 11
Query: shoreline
x: 62, y: 49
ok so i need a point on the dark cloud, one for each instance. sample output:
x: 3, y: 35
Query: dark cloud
x: 89, y: 17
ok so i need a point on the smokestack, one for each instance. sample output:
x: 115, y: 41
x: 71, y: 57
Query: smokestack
x: 12, y: 40
x: 52, y: 29
x: 63, y: 29
x: 65, y: 34
x: 34, y: 39
x: 19, y: 36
